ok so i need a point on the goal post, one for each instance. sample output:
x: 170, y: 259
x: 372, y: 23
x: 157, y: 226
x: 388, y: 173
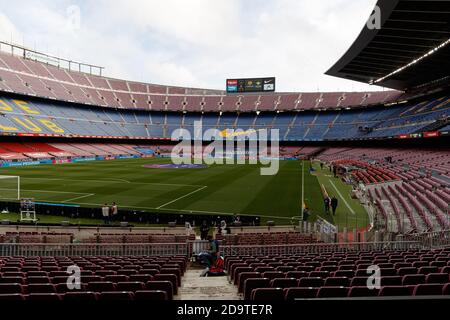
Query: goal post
x: 9, y: 187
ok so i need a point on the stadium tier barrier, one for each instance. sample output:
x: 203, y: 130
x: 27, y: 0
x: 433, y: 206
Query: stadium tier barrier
x: 190, y: 248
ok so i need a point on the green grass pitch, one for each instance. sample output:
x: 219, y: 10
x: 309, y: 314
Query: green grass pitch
x: 218, y: 189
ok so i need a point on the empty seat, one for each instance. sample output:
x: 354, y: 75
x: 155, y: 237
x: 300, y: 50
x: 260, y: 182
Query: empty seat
x: 10, y: 288
x: 168, y: 277
x: 332, y: 292
x: 12, y: 297
x: 19, y: 280
x: 362, y: 291
x: 254, y: 283
x: 273, y: 274
x: 437, y: 278
x: 406, y: 270
x: 337, y: 282
x: 314, y: 282
x: 130, y: 286
x: 296, y: 274
x: 150, y: 295
x: 283, y: 282
x: 31, y: 280
x: 41, y: 288
x: 165, y: 286
x: 428, y: 289
x: 428, y: 269
x: 44, y: 297
x: 267, y: 294
x: 244, y: 276
x: 391, y: 281
x: 100, y: 286
x: 394, y: 291
x: 300, y: 293
x: 80, y: 296
x: 413, y: 279
x: 116, y: 278
x: 140, y: 277
x: 116, y: 296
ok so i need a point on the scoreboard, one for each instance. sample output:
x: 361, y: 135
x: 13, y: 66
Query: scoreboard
x: 251, y: 85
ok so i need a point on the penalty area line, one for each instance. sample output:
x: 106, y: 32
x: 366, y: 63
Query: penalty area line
x: 80, y: 197
x: 184, y: 196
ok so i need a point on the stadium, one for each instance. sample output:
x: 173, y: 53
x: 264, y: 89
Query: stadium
x: 359, y: 179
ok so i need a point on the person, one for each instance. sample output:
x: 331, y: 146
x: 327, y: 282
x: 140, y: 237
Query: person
x: 335, y: 171
x: 105, y: 213
x: 334, y: 204
x: 208, y: 258
x: 326, y: 202
x: 305, y: 213
x: 114, y: 211
x: 204, y: 230
x: 321, y: 165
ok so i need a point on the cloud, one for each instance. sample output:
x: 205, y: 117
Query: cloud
x: 197, y: 43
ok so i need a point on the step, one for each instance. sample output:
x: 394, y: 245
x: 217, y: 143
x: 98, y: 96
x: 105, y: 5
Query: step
x: 194, y: 287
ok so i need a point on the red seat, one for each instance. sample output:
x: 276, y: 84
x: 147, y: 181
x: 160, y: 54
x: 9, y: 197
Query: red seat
x: 413, y: 279
x: 165, y: 286
x: 437, y: 278
x: 116, y: 296
x: 337, y: 282
x: 140, y: 277
x: 267, y: 294
x: 168, y: 277
x: 362, y: 292
x: 12, y: 297
x: 44, y: 297
x: 254, y: 283
x: 283, y: 283
x: 300, y: 293
x: 273, y: 274
x: 428, y: 289
x: 296, y: 274
x: 80, y: 296
x: 406, y: 270
x: 11, y: 288
x: 41, y: 288
x: 391, y: 291
x: 101, y: 286
x: 332, y: 292
x: 116, y: 278
x: 244, y: 276
x: 391, y: 281
x: 313, y: 282
x: 130, y: 286
x: 150, y: 295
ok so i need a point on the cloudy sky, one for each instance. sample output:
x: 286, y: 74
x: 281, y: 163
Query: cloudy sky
x: 197, y: 43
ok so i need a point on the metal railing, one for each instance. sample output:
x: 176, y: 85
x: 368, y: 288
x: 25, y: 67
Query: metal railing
x: 233, y: 250
x: 103, y: 249
x: 191, y: 248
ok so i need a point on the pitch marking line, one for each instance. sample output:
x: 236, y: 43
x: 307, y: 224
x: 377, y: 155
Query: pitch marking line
x: 118, y: 180
x: 343, y: 199
x: 80, y: 197
x: 186, y: 195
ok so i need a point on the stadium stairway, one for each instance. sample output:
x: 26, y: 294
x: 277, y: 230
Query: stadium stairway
x: 194, y: 287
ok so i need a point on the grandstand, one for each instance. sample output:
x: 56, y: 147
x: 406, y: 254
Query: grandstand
x: 383, y: 154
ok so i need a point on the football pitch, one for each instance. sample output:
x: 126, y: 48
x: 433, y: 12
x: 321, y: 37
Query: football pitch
x: 217, y: 189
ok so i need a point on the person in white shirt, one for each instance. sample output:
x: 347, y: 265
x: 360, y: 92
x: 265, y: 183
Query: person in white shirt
x: 105, y: 213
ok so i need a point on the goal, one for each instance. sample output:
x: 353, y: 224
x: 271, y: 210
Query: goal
x: 9, y: 187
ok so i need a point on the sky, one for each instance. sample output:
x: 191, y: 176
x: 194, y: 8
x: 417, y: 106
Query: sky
x: 196, y: 43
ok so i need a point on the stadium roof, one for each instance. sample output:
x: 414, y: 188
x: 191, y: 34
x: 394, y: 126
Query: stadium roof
x: 401, y: 55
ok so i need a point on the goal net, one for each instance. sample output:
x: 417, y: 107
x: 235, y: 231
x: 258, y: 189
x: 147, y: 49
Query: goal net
x: 9, y: 187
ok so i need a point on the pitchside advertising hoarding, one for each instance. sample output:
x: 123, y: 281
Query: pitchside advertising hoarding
x: 250, y: 85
